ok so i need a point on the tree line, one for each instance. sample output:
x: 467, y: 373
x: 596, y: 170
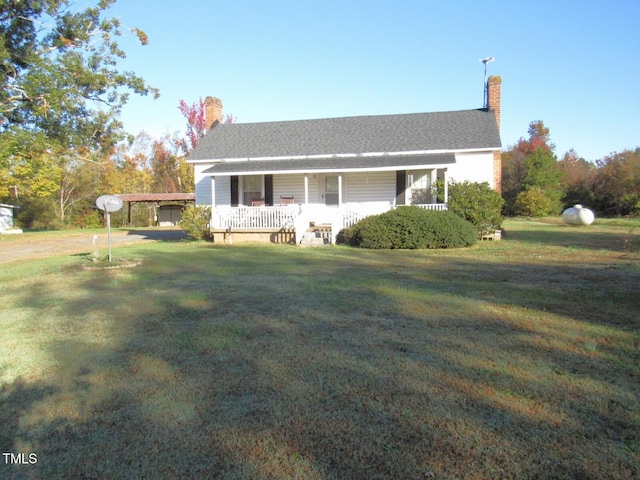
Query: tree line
x: 535, y: 182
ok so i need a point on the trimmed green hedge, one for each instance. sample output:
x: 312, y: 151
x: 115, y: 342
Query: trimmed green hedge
x: 411, y: 227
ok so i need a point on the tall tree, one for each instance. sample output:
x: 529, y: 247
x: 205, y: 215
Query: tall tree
x: 29, y: 165
x: 196, y: 124
x: 164, y: 164
x: 530, y: 163
x: 542, y: 174
x: 617, y: 185
x: 578, y: 177
x: 79, y: 183
x: 539, y: 137
x: 512, y: 176
x: 540, y: 171
x: 57, y: 66
x: 61, y: 92
x: 129, y: 169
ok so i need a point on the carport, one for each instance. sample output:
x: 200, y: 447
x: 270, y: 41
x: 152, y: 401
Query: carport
x: 181, y: 199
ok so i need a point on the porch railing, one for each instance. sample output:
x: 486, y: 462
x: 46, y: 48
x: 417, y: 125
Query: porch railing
x: 434, y: 206
x: 353, y: 215
x: 254, y: 217
x: 298, y: 216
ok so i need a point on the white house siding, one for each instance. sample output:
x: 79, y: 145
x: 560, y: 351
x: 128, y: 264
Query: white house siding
x: 356, y: 187
x: 472, y: 167
x: 293, y: 184
x: 369, y: 187
x: 314, y: 188
x: 203, y: 184
x: 288, y: 185
x: 223, y: 190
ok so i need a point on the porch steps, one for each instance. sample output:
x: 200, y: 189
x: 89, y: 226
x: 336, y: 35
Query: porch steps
x: 316, y: 236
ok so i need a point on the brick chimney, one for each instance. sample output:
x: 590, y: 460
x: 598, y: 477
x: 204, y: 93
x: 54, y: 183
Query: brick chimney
x: 493, y: 96
x: 493, y: 100
x: 213, y: 111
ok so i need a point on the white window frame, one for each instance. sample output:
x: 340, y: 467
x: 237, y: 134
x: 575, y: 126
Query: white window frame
x: 416, y: 182
x: 244, y: 190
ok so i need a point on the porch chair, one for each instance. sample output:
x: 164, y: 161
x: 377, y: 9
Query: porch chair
x: 286, y: 200
x: 258, y: 202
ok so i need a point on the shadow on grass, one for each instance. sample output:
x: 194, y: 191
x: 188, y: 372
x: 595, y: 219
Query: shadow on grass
x: 264, y: 362
x: 612, y: 238
x: 164, y: 235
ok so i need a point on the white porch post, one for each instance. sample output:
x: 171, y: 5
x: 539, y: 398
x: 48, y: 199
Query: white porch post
x: 306, y: 188
x: 336, y: 216
x: 446, y: 187
x: 213, y: 200
x: 433, y: 178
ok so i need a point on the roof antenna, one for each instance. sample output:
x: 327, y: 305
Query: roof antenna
x: 485, y: 61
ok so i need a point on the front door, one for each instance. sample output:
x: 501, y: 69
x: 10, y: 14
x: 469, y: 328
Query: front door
x: 331, y: 191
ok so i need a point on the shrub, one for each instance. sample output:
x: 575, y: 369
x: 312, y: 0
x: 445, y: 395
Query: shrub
x: 89, y: 218
x: 37, y: 213
x: 412, y: 227
x: 534, y: 203
x: 195, y: 221
x: 477, y: 203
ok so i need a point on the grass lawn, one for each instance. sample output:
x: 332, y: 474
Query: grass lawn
x: 512, y: 359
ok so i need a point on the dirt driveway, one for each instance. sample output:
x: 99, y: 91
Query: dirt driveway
x: 27, y: 245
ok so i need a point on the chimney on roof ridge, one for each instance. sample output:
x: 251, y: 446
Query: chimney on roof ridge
x: 212, y: 111
x: 493, y: 96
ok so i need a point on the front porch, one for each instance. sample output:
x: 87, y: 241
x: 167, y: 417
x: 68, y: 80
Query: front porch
x: 282, y: 205
x: 289, y: 223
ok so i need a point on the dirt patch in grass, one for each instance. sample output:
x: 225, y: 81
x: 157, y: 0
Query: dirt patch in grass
x: 115, y: 263
x: 513, y: 359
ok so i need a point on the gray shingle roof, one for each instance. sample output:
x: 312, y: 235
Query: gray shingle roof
x: 458, y: 130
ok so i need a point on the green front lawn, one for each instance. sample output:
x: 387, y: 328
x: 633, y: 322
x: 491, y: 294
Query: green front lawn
x: 512, y: 359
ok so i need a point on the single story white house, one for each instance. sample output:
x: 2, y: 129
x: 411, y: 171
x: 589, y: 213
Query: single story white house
x: 274, y: 181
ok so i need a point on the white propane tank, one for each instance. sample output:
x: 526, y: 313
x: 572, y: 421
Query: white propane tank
x: 578, y: 216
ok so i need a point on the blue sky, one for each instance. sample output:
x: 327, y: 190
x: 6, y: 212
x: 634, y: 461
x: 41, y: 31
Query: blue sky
x: 573, y: 64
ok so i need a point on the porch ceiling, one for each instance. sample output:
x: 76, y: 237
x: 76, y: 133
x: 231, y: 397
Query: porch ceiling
x: 331, y: 164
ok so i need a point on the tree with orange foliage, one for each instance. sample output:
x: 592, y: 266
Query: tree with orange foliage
x: 196, y: 116
x: 196, y: 124
x: 522, y: 164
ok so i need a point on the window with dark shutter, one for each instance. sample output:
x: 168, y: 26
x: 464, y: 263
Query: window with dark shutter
x: 268, y: 189
x: 401, y: 186
x: 235, y: 199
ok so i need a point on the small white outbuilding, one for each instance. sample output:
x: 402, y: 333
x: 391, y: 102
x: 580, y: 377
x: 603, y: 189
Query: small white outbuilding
x: 6, y: 219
